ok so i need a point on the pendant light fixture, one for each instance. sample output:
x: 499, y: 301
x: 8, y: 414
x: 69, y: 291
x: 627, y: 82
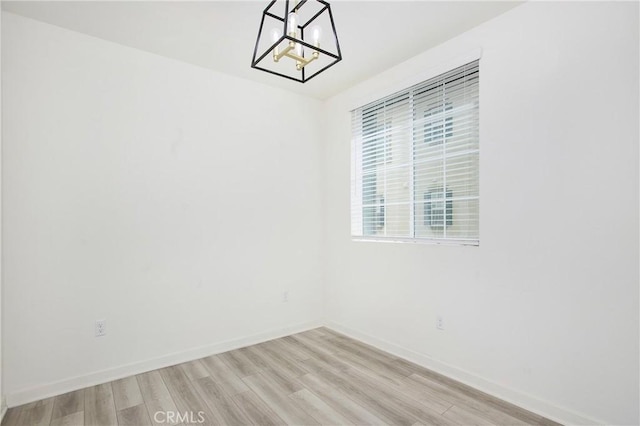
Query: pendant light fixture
x: 297, y: 39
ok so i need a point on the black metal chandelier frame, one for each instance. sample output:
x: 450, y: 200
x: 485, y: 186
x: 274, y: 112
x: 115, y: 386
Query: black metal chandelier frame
x: 285, y: 36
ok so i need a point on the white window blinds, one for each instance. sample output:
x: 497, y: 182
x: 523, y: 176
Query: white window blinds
x: 415, y: 162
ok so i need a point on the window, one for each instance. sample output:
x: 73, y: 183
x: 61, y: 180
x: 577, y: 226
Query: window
x: 415, y: 162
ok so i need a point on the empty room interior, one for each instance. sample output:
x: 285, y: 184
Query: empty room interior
x: 320, y: 212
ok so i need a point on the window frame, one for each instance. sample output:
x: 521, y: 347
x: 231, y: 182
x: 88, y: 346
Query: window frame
x: 434, y: 137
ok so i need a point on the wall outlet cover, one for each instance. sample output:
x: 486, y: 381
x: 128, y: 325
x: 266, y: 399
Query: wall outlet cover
x: 101, y: 327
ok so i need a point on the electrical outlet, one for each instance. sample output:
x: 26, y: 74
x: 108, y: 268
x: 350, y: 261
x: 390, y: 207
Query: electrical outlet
x: 439, y: 322
x: 285, y: 297
x: 101, y: 327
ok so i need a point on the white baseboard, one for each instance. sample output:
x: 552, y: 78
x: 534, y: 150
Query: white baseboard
x: 528, y: 402
x: 57, y: 388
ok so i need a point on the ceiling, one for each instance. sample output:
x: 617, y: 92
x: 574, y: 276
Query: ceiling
x: 220, y: 35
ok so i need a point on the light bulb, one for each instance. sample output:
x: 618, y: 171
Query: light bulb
x: 275, y: 34
x: 316, y: 33
x: 292, y: 24
x: 299, y: 50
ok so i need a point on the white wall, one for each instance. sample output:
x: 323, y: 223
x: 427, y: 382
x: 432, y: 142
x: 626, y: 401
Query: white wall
x: 175, y: 202
x: 545, y: 311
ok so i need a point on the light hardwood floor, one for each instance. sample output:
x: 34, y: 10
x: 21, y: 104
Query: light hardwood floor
x: 310, y: 378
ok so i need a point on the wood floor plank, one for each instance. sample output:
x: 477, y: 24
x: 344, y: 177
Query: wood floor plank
x: 421, y: 410
x: 294, y: 352
x: 334, y: 335
x: 239, y: 363
x: 316, y: 346
x: 174, y: 378
x: 318, y: 409
x: 222, y: 406
x: 99, y: 407
x: 75, y: 419
x: 379, y: 399
x: 461, y: 400
x: 157, y: 398
x: 68, y: 403
x: 157, y: 410
x: 475, y: 394
x: 309, y: 345
x: 381, y: 408
x: 330, y: 360
x: 256, y: 410
x: 377, y: 371
x: 184, y: 395
x: 314, y: 365
x: 284, y: 407
x: 152, y: 386
x: 298, y: 346
x: 368, y: 352
x: 194, y: 370
x: 276, y: 360
x: 431, y: 399
x: 381, y: 369
x: 223, y: 375
x: 37, y: 413
x: 286, y: 384
x: 319, y: 337
x: 12, y: 416
x: 126, y: 393
x: 134, y: 416
x: 466, y: 417
x: 339, y: 401
x: 276, y: 350
x: 255, y: 354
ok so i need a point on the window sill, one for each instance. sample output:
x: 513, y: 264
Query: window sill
x: 448, y: 242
